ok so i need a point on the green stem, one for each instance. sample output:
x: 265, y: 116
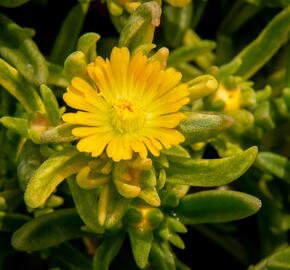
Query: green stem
x: 239, y: 14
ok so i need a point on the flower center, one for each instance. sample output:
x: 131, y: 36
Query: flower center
x: 127, y: 116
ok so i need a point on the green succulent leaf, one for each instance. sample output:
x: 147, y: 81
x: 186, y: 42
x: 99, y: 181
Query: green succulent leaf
x: 75, y: 64
x: 270, y: 3
x: 202, y: 86
x: 261, y: 50
x: 139, y: 29
x: 29, y: 160
x: 199, y: 127
x: 181, y: 266
x: 106, y: 252
x: 51, y: 173
x: 199, y: 9
x: 15, y: 124
x: 243, y: 121
x: 3, y: 204
x: 240, y: 13
x: 59, y: 134
x: 12, y: 3
x: 10, y: 222
x: 17, y: 48
x: 176, y: 21
x: 51, y: 104
x: 280, y: 260
x: 176, y: 151
x: 12, y: 198
x: 141, y: 242
x: 211, y: 172
x: 275, y: 164
x: 217, y: 206
x: 111, y: 207
x: 48, y: 230
x: 87, y: 44
x: 190, y: 52
x: 18, y: 87
x: 57, y: 75
x: 229, y: 69
x: 188, y: 71
x: 204, y: 60
x: 86, y: 202
x: 263, y: 115
x: 69, y: 32
x: 162, y: 256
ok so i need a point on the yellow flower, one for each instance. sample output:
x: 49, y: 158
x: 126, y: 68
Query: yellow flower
x: 231, y: 98
x: 130, y: 104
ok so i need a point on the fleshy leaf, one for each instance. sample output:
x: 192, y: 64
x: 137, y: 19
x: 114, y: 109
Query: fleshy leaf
x: 139, y: 29
x: 106, y: 252
x: 29, y: 160
x: 12, y: 3
x: 87, y: 44
x: 59, y: 134
x: 51, y: 104
x: 200, y: 126
x: 10, y: 222
x: 162, y: 256
x: 176, y: 21
x: 270, y: 3
x: 57, y: 75
x: 176, y: 151
x: 17, y: 48
x: 69, y: 32
x: 51, y: 173
x: 15, y: 124
x: 275, y: 164
x: 141, y: 242
x: 280, y: 260
x: 111, y: 207
x: 75, y: 64
x: 239, y: 14
x: 261, y: 50
x: 211, y: 172
x: 48, y: 230
x: 15, y: 84
x: 202, y: 86
x: 263, y: 115
x: 215, y: 206
x: 86, y: 202
x: 190, y: 52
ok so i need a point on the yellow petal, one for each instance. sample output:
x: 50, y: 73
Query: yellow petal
x: 88, y: 131
x: 112, y: 149
x: 120, y: 58
x: 94, y: 144
x: 87, y: 119
x: 139, y: 147
x: 78, y: 102
x: 91, y: 95
x: 152, y: 148
x: 167, y: 121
